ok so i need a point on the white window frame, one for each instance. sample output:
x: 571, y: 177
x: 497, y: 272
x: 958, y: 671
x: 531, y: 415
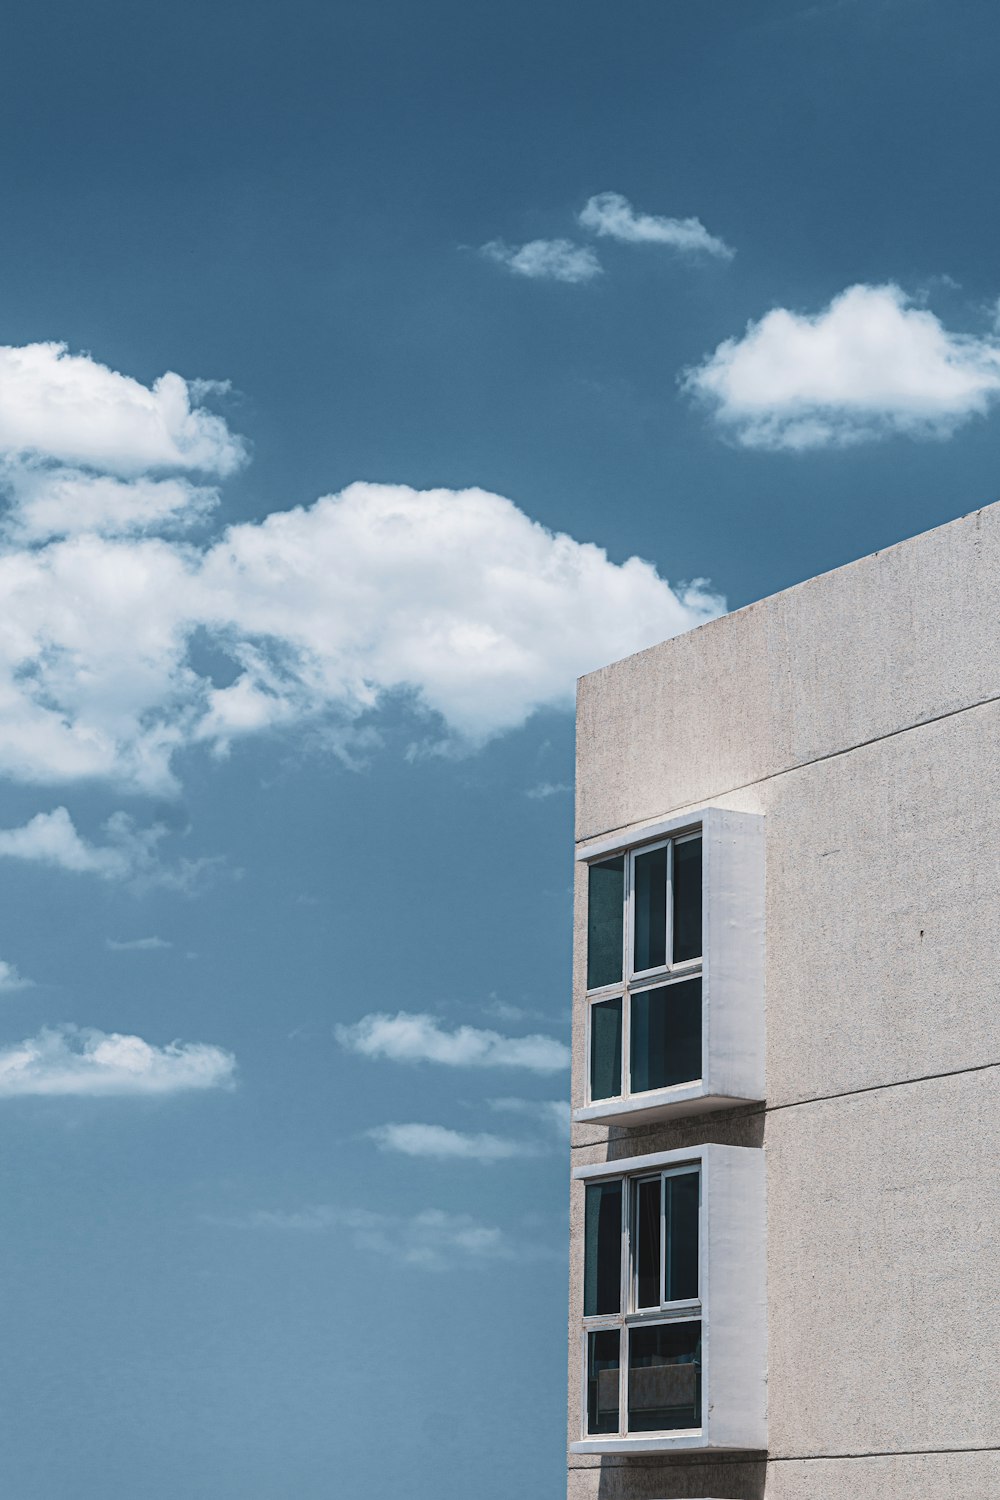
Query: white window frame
x: 730, y: 968
x: 731, y: 1301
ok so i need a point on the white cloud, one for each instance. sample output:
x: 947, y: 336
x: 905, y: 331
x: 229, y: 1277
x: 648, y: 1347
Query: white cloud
x: 431, y: 1240
x: 439, y: 1143
x: 70, y: 409
x: 48, y: 502
x: 612, y: 215
x: 416, y: 1037
x: 68, y: 1060
x: 546, y: 260
x: 869, y: 365
x: 11, y: 980
x: 136, y: 945
x: 454, y: 598
x: 130, y: 853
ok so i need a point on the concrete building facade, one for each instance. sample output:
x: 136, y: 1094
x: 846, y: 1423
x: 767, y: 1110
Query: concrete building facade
x: 785, y: 1246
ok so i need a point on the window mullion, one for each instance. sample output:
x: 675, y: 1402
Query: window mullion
x: 668, y: 916
x: 628, y: 1235
x: 623, y: 1358
x: 663, y: 1239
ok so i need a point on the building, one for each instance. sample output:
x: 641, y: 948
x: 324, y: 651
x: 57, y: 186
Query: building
x: 785, y: 1268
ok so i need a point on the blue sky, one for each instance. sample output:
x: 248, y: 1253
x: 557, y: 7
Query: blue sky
x: 368, y: 372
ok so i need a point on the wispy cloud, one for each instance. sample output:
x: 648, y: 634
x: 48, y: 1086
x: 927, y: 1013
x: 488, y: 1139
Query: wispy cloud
x: 431, y: 1240
x: 552, y: 1114
x: 612, y: 215
x: 417, y: 1037
x: 130, y: 854
x: 136, y: 945
x: 545, y: 789
x: 11, y: 980
x: 869, y: 365
x: 545, y: 260
x: 70, y: 1060
x: 436, y: 1142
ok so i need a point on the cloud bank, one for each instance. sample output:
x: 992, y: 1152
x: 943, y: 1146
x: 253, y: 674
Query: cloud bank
x: 870, y: 365
x: 454, y: 601
x: 612, y: 215
x: 416, y: 1037
x: 68, y: 1060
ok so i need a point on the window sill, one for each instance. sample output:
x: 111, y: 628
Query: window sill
x: 660, y: 1443
x: 660, y: 1104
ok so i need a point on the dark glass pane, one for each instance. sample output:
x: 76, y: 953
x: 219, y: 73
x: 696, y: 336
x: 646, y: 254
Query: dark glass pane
x: 602, y: 1380
x: 666, y: 1036
x: 602, y: 1254
x: 605, y: 898
x: 664, y: 1377
x: 681, y: 1217
x: 606, y: 1049
x: 687, y: 900
x: 647, y: 1250
x: 650, y: 902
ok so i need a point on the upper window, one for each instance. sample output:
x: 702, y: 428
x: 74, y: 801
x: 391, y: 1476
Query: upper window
x: 644, y: 947
x: 674, y: 969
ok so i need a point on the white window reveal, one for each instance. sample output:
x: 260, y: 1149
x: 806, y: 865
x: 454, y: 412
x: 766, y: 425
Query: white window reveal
x: 674, y: 1321
x: 675, y: 969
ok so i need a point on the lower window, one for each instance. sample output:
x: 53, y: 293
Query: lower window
x: 642, y: 1309
x: 662, y: 1378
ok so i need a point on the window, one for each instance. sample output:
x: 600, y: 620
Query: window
x: 642, y: 1308
x: 672, y: 1302
x: 673, y: 971
x: 644, y: 941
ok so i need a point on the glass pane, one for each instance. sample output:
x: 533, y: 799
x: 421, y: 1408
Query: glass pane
x: 681, y: 1219
x: 666, y: 1036
x: 664, y: 1377
x: 602, y: 1254
x: 647, y: 1249
x: 602, y: 1380
x: 605, y: 913
x: 650, y: 942
x: 687, y: 900
x: 606, y: 1049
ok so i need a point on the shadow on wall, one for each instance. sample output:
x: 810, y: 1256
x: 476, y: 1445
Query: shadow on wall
x: 732, y: 1127
x: 741, y: 1477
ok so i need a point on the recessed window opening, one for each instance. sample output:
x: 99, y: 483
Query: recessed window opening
x: 644, y: 967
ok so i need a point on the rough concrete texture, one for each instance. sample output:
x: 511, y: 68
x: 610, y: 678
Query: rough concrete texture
x: 885, y: 643
x: 907, y: 1476
x: 883, y: 877
x: 883, y: 1269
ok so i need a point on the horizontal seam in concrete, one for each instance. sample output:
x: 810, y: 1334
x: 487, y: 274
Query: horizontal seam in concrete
x: 875, y: 1088
x: 770, y: 1109
x: 878, y: 739
x: 706, y: 1460
x: 819, y: 1458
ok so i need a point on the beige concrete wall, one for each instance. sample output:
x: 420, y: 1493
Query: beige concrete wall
x: 860, y: 714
